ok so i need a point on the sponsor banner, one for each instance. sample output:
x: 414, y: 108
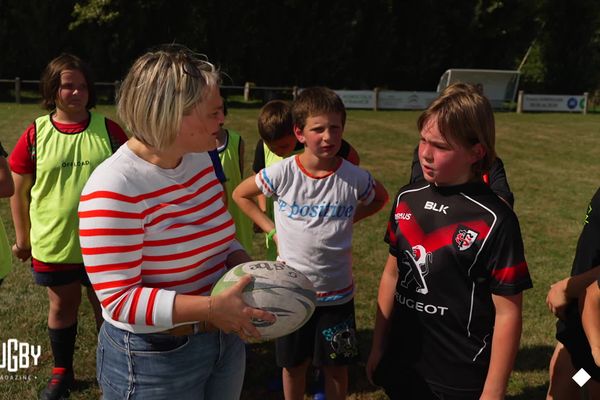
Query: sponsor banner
x: 357, y: 98
x: 388, y: 99
x: 548, y: 102
x: 405, y: 100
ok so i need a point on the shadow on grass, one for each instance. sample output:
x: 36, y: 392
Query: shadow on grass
x: 533, y: 358
x: 82, y: 385
x: 263, y: 377
x: 529, y: 393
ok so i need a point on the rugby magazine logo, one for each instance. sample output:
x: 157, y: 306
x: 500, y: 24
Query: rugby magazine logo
x: 18, y: 355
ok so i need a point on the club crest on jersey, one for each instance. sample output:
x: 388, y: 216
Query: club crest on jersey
x: 464, y: 238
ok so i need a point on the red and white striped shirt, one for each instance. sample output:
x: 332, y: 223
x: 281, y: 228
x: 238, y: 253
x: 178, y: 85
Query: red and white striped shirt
x: 148, y: 233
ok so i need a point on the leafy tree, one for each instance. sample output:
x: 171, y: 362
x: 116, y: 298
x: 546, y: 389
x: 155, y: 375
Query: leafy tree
x: 31, y: 33
x: 397, y: 44
x: 570, y: 45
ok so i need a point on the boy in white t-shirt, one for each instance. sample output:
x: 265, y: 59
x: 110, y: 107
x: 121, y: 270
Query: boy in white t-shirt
x: 318, y: 196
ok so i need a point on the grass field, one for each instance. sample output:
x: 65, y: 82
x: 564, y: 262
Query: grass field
x: 553, y: 166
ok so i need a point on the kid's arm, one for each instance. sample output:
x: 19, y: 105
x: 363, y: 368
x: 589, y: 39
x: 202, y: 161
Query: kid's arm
x: 385, y: 306
x: 261, y: 199
x: 505, y: 344
x: 570, y: 288
x: 19, y: 206
x: 7, y: 187
x: 590, y: 317
x: 380, y: 200
x: 262, y: 202
x: 244, y: 195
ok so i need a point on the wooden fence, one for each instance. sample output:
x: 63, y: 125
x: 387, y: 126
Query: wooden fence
x: 248, y: 90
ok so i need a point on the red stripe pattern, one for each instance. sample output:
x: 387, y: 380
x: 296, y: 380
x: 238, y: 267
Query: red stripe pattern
x: 439, y: 238
x: 147, y: 234
x: 513, y: 273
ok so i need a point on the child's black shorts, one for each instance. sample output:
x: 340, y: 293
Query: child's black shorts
x: 571, y: 334
x: 328, y: 338
x: 405, y: 383
x: 57, y: 278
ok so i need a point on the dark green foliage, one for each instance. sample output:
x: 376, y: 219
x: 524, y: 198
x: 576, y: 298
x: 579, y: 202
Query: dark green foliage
x: 354, y: 44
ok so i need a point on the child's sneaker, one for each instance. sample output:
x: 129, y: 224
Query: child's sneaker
x: 59, y: 385
x: 318, y: 386
x: 319, y: 396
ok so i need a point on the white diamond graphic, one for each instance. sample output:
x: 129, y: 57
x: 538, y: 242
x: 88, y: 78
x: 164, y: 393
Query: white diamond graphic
x: 581, y: 377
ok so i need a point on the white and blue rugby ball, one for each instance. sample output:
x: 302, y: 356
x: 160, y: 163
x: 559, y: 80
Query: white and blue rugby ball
x: 276, y: 288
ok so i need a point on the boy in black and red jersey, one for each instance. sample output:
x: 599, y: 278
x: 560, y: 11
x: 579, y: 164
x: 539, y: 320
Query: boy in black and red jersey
x: 448, y: 322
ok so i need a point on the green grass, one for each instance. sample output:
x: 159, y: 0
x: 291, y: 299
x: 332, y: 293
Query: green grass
x: 553, y: 168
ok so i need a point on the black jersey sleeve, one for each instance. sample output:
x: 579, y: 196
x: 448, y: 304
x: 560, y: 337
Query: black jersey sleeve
x: 259, y: 157
x: 416, y: 172
x: 3, y: 152
x: 505, y: 258
x: 344, y: 150
x: 392, y: 228
x: 499, y: 182
x: 587, y: 254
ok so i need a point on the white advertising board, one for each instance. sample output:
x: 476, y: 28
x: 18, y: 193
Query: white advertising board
x: 405, y: 100
x: 549, y: 102
x: 357, y: 98
x: 387, y: 99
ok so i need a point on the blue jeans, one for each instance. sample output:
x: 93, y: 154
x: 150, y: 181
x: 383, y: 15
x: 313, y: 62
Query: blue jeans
x: 156, y: 366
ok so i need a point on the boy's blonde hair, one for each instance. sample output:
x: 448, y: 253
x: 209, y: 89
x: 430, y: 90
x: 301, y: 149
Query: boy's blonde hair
x: 316, y: 101
x: 160, y: 88
x: 275, y: 121
x: 464, y: 116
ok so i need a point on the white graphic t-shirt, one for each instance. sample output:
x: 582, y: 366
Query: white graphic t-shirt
x: 314, y: 219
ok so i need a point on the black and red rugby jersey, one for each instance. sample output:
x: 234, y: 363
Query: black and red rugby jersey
x: 455, y: 246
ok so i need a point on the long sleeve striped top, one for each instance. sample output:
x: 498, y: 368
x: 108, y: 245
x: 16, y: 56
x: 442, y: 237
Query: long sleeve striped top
x: 148, y: 233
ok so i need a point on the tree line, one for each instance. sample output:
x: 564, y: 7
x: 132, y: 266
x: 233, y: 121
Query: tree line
x: 344, y: 44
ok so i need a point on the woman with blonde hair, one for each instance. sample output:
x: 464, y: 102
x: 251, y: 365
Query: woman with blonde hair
x: 156, y: 236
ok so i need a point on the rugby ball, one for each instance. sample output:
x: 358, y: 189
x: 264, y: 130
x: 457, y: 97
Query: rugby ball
x: 276, y: 288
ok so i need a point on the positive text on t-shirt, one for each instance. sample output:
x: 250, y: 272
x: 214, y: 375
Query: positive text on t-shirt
x: 323, y: 210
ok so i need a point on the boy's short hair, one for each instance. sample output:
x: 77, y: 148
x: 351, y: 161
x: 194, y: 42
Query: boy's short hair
x: 464, y: 115
x: 275, y: 121
x: 50, y: 79
x: 316, y: 101
x: 160, y: 88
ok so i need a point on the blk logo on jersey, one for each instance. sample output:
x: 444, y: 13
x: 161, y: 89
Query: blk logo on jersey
x: 464, y: 238
x: 417, y: 263
x: 430, y: 205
